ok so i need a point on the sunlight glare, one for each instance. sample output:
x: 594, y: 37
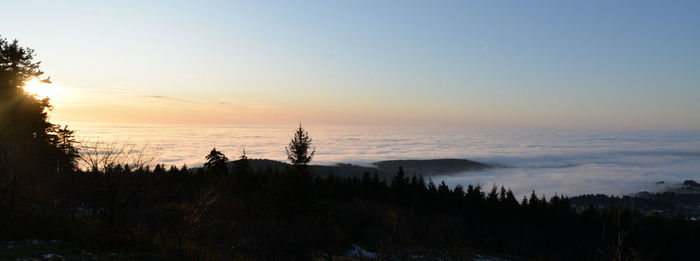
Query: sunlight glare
x: 42, y: 90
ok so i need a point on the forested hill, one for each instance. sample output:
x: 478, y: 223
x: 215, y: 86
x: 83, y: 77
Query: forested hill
x: 432, y: 166
x: 679, y: 201
x: 384, y: 169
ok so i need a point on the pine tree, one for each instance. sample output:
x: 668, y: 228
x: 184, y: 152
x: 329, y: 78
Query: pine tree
x: 216, y: 161
x: 32, y: 149
x: 299, y: 147
x: 241, y: 166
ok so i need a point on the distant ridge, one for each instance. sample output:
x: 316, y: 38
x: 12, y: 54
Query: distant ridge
x: 386, y: 169
x: 432, y: 166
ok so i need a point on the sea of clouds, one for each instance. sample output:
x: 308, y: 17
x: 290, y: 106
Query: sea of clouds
x: 563, y: 162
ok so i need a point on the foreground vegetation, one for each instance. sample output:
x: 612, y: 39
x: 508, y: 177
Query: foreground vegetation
x: 288, y: 214
x: 117, y: 203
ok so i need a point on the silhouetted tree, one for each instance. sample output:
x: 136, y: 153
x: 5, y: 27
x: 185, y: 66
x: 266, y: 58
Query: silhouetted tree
x: 216, y: 161
x: 241, y: 166
x: 299, y: 147
x: 32, y: 150
x: 17, y: 64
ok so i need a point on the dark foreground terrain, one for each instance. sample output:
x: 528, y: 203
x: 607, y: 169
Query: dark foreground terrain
x: 291, y: 214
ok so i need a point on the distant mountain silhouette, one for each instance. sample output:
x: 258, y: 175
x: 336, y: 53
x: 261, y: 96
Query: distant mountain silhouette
x: 385, y: 169
x: 432, y: 166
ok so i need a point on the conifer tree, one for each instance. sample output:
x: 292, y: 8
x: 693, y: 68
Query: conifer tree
x: 399, y: 181
x: 216, y: 161
x: 299, y: 151
x: 241, y: 166
x: 32, y: 149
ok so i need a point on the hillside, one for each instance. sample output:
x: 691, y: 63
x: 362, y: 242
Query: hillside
x: 433, y: 166
x: 385, y: 169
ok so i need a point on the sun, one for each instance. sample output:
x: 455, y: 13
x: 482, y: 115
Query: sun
x: 41, y: 89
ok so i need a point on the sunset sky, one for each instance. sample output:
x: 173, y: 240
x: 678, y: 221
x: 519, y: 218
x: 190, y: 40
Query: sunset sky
x: 533, y: 64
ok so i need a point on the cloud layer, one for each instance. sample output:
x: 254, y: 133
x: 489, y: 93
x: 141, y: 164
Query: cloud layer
x: 563, y: 162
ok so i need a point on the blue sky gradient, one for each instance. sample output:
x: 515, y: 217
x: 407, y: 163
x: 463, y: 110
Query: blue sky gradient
x: 548, y: 64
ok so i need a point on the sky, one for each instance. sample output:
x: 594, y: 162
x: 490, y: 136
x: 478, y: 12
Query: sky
x: 520, y: 64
